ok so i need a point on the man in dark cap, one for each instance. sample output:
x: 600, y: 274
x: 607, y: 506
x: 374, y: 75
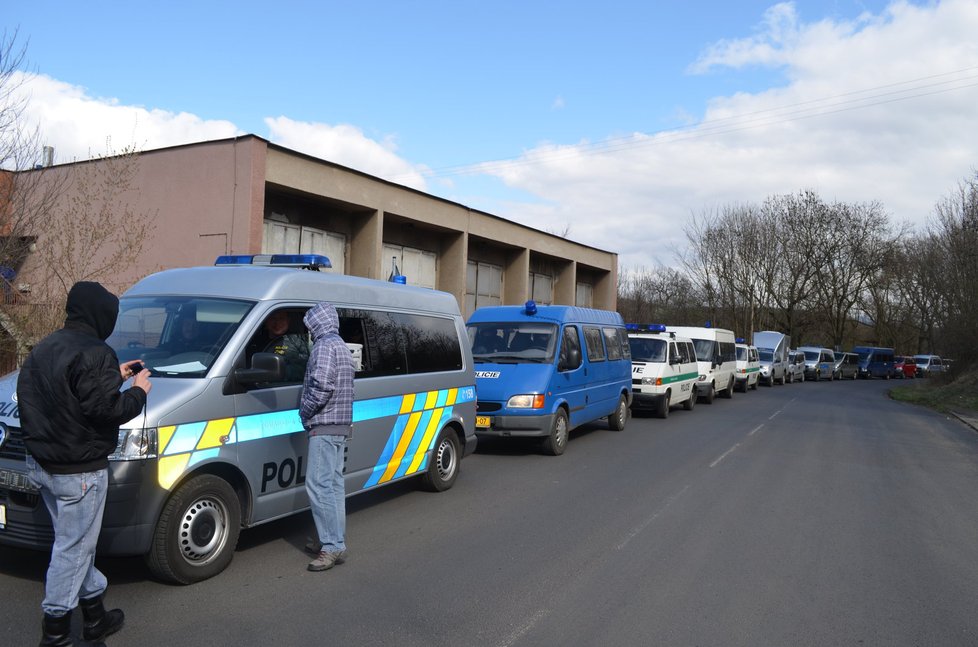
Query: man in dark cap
x: 71, y: 407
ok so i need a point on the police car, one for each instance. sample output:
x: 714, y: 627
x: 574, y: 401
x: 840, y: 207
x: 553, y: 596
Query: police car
x: 748, y: 366
x: 664, y: 370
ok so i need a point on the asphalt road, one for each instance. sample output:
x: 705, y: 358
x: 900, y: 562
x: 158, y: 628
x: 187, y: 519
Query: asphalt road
x: 807, y: 514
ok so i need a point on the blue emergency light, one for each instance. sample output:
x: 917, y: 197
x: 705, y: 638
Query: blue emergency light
x: 530, y: 307
x: 740, y: 340
x: 308, y: 261
x: 634, y: 327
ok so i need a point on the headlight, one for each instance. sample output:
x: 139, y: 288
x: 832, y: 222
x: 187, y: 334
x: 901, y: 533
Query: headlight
x: 135, y: 444
x: 526, y: 401
x: 701, y: 378
x: 648, y: 380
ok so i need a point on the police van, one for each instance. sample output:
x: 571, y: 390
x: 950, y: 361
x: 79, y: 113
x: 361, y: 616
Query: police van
x: 716, y: 358
x: 220, y: 446
x: 748, y: 366
x: 664, y: 370
x: 541, y: 371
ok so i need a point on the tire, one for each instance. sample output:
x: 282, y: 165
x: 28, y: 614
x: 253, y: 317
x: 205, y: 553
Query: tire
x: 443, y: 463
x: 783, y: 380
x: 690, y: 402
x: 728, y: 392
x: 617, y: 420
x: 197, y: 532
x: 791, y: 378
x: 556, y: 442
x: 662, y: 411
x: 711, y: 395
x: 753, y: 386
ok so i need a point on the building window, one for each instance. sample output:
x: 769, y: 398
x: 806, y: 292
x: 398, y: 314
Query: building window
x: 585, y: 295
x: 285, y: 238
x: 483, y: 286
x: 542, y: 288
x: 417, y: 265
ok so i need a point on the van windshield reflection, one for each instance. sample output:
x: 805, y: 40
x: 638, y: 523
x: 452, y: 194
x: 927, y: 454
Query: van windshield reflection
x: 175, y: 336
x: 513, y: 343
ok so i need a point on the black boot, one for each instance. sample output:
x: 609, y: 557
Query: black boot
x: 56, y: 631
x: 99, y: 623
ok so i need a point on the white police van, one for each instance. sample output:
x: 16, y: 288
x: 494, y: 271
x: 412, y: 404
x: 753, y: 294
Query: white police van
x: 664, y: 369
x: 716, y: 357
x: 220, y: 446
x: 748, y: 366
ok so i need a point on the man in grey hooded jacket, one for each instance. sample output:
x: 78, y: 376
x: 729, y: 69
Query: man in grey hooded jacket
x: 326, y: 411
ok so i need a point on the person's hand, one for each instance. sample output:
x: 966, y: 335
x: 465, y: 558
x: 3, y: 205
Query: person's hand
x: 126, y: 368
x: 142, y: 380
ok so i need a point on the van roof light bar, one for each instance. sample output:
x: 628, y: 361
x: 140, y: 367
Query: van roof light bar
x: 305, y: 261
x: 634, y: 327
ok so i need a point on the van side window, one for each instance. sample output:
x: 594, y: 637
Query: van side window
x: 626, y: 350
x: 431, y: 343
x: 612, y: 342
x: 595, y: 348
x: 570, y: 342
x: 728, y: 352
x: 282, y: 332
x: 384, y: 343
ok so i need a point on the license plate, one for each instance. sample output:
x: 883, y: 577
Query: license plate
x: 3, y: 516
x: 483, y: 422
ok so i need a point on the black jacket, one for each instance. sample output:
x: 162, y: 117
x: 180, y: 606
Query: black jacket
x: 68, y: 388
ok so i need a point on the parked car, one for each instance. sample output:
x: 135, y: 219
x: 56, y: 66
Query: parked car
x: 846, y: 366
x: 819, y: 363
x: 905, y: 367
x: 748, y: 367
x: 796, y: 366
x: 928, y: 365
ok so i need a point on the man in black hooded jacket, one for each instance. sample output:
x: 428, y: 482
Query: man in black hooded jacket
x: 71, y: 407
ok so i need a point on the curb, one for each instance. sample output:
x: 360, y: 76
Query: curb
x: 967, y: 419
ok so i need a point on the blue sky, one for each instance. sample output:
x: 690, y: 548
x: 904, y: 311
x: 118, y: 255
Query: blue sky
x: 597, y: 109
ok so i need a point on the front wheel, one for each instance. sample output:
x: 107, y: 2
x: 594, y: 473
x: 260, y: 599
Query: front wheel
x: 662, y: 411
x: 728, y: 392
x: 443, y: 466
x: 556, y: 442
x: 690, y: 401
x: 617, y: 420
x: 197, y: 531
x: 711, y: 394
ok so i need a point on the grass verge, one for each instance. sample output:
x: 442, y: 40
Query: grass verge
x: 942, y: 394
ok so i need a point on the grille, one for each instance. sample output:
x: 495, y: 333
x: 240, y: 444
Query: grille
x: 637, y: 382
x: 13, y: 448
x: 486, y: 407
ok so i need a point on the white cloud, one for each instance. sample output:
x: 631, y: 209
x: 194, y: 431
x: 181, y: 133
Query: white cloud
x: 346, y: 145
x: 80, y: 126
x: 868, y: 113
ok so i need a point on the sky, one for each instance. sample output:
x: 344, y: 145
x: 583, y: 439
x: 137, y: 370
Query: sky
x: 613, y: 123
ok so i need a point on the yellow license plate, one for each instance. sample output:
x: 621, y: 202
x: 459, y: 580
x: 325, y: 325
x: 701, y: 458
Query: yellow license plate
x: 483, y: 422
x: 3, y: 515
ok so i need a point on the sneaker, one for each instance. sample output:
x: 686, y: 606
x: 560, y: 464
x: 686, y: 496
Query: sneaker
x: 326, y: 560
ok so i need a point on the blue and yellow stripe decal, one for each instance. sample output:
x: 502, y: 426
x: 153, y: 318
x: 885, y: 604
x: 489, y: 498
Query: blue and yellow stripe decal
x: 417, y: 417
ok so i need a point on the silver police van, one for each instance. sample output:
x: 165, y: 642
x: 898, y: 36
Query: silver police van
x: 220, y: 446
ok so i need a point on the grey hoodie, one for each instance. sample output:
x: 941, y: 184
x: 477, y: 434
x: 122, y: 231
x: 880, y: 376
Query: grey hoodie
x: 326, y: 406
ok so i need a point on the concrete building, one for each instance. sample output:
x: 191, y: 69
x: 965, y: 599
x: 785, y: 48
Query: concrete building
x: 246, y: 196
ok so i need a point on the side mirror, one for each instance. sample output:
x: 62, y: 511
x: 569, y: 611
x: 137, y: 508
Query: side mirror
x: 572, y: 361
x: 674, y: 360
x: 265, y: 367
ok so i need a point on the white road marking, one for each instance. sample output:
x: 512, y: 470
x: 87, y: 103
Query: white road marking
x: 724, y: 455
x: 645, y: 524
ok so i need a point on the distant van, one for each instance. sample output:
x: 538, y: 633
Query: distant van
x: 664, y: 370
x: 541, y: 371
x: 716, y: 356
x: 928, y: 365
x: 748, y: 368
x: 846, y: 366
x: 875, y: 362
x: 772, y: 349
x: 796, y: 366
x: 220, y: 446
x: 819, y: 363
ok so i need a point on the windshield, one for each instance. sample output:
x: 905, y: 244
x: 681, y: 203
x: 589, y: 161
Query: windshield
x: 864, y: 354
x: 513, y: 342
x: 647, y: 350
x: 765, y: 355
x: 175, y: 336
x: 812, y: 355
x: 741, y: 354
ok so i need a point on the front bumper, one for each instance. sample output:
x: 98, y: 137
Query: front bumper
x: 518, y: 426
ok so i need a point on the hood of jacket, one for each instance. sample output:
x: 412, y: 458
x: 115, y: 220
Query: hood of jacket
x: 93, y: 306
x: 322, y: 320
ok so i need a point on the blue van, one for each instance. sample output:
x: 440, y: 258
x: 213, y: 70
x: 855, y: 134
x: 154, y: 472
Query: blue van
x: 542, y: 371
x: 875, y: 362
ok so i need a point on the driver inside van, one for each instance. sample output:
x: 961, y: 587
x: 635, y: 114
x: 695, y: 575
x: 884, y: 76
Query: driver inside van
x: 279, y: 336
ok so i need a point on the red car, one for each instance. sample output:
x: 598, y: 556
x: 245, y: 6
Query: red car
x: 904, y: 367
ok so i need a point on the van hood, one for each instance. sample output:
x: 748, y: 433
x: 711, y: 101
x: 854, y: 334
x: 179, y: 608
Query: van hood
x: 497, y: 382
x: 167, y: 396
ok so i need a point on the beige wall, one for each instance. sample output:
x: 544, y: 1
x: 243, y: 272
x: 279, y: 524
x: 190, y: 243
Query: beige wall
x: 211, y: 198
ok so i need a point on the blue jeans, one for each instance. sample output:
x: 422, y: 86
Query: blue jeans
x: 326, y: 490
x: 76, y: 503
